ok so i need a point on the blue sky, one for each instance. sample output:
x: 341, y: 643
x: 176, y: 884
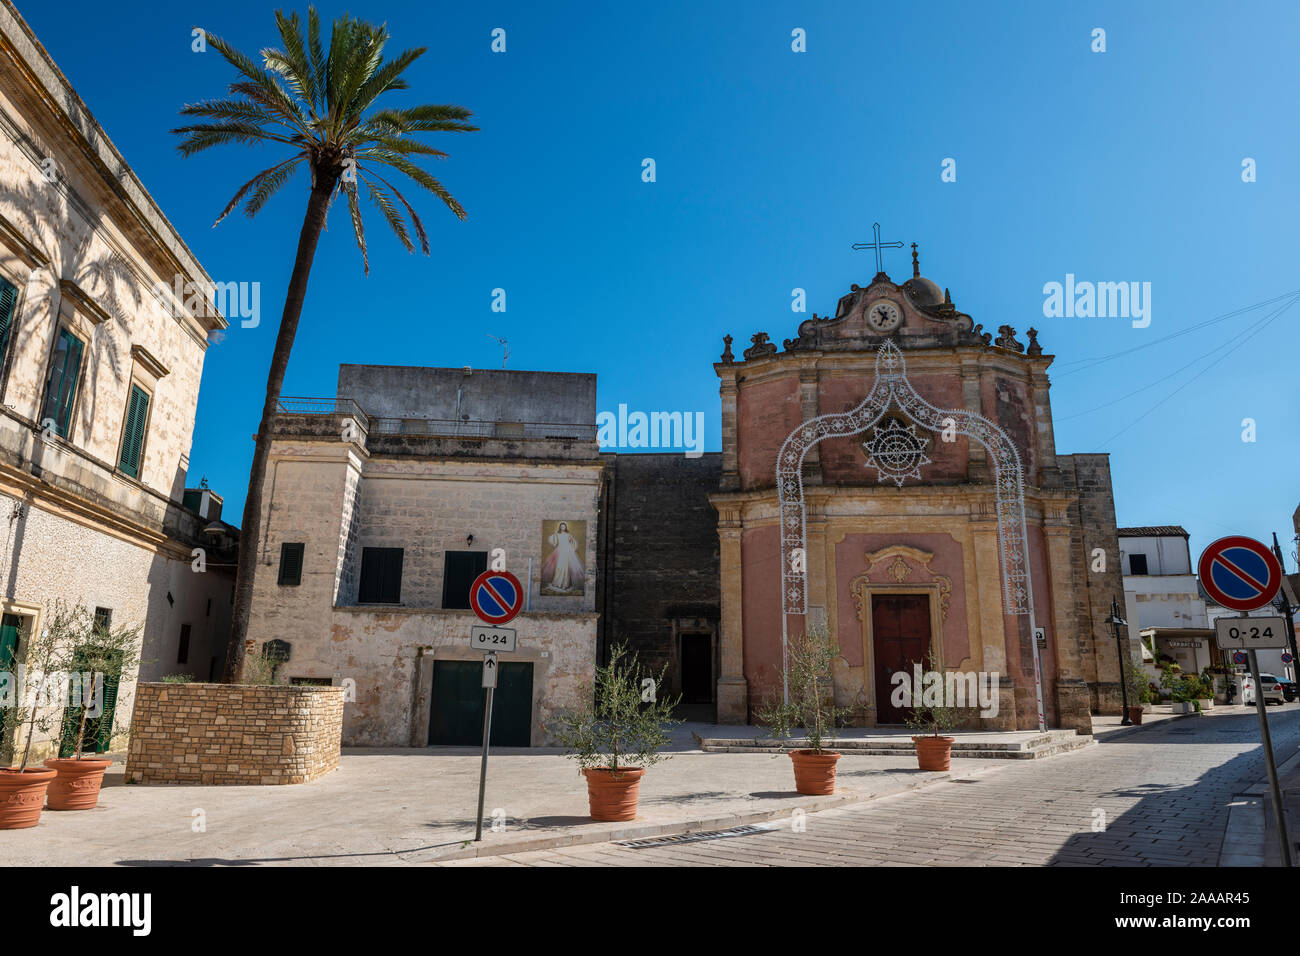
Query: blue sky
x: 1115, y: 166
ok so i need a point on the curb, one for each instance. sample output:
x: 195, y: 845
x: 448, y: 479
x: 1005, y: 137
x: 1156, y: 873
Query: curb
x: 647, y: 830
x: 1138, y: 728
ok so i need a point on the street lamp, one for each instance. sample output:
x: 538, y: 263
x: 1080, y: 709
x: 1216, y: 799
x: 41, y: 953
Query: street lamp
x: 1118, y: 623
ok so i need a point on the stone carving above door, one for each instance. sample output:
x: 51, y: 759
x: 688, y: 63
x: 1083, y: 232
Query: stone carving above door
x: 909, y: 567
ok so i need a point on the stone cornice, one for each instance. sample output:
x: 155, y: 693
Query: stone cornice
x: 18, y: 244
x: 83, y: 300
x: 146, y: 359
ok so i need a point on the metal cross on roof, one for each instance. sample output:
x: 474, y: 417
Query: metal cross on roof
x: 877, y: 245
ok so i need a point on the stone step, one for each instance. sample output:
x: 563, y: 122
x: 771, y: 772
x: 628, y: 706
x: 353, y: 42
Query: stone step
x: 1046, y: 744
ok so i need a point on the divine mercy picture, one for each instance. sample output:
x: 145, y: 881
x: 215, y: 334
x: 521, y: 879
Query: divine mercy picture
x: 564, y: 546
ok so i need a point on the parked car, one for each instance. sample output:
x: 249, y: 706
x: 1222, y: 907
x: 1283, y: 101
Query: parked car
x: 1288, y: 688
x: 1272, y: 689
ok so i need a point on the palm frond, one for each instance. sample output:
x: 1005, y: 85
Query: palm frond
x: 293, y: 62
x: 206, y: 135
x: 394, y: 219
x: 422, y: 177
x: 415, y: 218
x: 358, y: 227
x: 254, y: 181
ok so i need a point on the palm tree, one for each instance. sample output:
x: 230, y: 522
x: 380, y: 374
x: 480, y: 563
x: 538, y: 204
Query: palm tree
x: 321, y: 107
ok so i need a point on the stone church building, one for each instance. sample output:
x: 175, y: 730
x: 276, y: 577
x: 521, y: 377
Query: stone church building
x: 902, y: 542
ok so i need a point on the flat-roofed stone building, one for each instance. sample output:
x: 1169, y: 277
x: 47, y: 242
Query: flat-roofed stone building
x: 383, y: 503
x: 100, y: 366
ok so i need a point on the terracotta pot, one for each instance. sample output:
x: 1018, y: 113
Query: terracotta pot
x: 1135, y: 714
x: 934, y: 753
x: 612, y: 794
x: 22, y: 794
x: 77, y: 785
x: 814, y: 773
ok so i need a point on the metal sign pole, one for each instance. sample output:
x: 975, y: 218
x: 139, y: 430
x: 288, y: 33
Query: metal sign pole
x: 1278, y: 817
x: 482, y: 770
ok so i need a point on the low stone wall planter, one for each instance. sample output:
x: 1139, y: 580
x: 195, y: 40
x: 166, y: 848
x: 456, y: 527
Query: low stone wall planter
x: 1182, y: 707
x: 233, y: 734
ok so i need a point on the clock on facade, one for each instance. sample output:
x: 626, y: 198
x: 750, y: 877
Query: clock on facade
x: 884, y: 316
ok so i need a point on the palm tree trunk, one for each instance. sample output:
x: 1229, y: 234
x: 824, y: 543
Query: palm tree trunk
x: 251, y: 528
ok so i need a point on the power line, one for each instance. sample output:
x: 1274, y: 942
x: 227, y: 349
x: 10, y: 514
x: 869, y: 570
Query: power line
x: 1249, y: 330
x: 1246, y: 338
x: 1088, y: 363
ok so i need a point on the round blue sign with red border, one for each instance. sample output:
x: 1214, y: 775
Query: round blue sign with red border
x: 496, y: 597
x: 1239, y: 657
x: 1240, y: 573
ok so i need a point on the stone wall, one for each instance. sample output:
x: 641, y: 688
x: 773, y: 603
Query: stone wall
x: 660, y: 564
x: 222, y: 734
x: 1093, y: 527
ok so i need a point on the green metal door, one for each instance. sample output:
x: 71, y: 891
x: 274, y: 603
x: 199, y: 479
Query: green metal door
x: 456, y: 710
x: 10, y: 626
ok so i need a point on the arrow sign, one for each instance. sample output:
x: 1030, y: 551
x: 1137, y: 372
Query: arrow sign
x: 496, y: 597
x: 490, y: 669
x: 1240, y: 573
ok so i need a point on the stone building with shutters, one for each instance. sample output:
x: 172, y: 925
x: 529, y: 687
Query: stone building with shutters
x: 99, y: 382
x: 896, y: 523
x: 381, y: 506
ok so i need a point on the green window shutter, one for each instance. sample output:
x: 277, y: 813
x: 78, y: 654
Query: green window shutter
x: 8, y: 303
x: 291, y: 563
x: 66, y: 368
x: 137, y: 413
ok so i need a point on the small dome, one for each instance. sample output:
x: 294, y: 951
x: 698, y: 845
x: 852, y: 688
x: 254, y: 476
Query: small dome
x: 923, y: 292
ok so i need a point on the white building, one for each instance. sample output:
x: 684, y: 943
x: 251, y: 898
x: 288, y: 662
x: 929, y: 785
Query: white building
x: 1163, y: 602
x: 99, y: 381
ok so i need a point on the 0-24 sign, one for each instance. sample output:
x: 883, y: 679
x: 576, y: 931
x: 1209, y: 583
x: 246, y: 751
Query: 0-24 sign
x: 1249, y: 633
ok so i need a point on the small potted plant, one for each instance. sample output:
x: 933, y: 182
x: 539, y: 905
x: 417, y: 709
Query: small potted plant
x: 933, y: 714
x: 101, y: 655
x: 615, y: 733
x: 811, y: 707
x: 1139, y: 691
x: 39, y: 688
x: 1179, y: 689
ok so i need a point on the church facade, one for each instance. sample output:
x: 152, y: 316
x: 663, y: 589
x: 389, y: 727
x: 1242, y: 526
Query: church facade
x: 912, y: 439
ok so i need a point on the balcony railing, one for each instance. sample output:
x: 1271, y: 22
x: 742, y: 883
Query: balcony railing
x: 440, y: 427
x: 447, y: 428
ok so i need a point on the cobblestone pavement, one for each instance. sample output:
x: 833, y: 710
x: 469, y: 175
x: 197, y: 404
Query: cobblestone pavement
x: 1162, y: 795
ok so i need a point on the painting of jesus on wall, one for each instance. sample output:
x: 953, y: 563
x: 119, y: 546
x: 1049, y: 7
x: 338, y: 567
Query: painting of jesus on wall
x: 564, y: 557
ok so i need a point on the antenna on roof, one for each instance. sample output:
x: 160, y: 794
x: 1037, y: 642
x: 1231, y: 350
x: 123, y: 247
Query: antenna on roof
x: 504, y: 346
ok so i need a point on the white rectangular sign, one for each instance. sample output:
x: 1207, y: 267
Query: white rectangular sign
x: 490, y: 669
x: 484, y: 638
x: 1249, y: 633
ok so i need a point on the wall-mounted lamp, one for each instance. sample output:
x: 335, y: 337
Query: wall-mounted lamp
x: 469, y: 539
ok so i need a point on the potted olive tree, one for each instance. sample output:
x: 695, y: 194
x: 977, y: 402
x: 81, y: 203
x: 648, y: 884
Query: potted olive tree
x: 30, y: 704
x: 101, y: 656
x: 1139, y: 691
x: 933, y: 713
x: 616, y: 731
x: 811, y: 707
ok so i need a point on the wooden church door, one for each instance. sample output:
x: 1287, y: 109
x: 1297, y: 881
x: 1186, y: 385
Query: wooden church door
x: 900, y: 631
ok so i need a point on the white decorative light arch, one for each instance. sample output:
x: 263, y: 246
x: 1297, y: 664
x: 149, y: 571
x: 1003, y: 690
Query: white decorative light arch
x: 892, y: 389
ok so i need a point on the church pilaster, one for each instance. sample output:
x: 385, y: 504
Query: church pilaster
x: 1051, y: 474
x: 978, y: 468
x: 1072, y: 698
x: 992, y: 633
x: 730, y: 480
x: 812, y: 462
x: 733, y: 690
